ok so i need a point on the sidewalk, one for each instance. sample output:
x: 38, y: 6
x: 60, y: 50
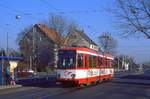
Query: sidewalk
x: 9, y: 86
x: 30, y: 81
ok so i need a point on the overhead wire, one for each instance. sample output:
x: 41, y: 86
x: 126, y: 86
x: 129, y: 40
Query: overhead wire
x: 48, y: 4
x: 17, y: 12
x: 70, y: 12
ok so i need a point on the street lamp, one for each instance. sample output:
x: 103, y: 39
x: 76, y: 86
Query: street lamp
x: 18, y: 17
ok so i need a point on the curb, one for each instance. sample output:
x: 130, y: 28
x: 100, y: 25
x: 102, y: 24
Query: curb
x: 10, y: 86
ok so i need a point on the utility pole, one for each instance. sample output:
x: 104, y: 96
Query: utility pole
x: 55, y: 55
x: 130, y: 63
x: 7, y: 43
x: 122, y: 62
x: 2, y: 67
x: 33, y: 48
x: 30, y: 62
x: 118, y: 64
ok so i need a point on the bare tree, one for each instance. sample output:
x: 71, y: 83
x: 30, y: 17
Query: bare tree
x: 60, y: 24
x: 2, y: 52
x: 134, y: 17
x: 22, y: 34
x: 107, y: 43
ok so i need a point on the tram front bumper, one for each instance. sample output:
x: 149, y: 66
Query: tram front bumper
x: 67, y: 81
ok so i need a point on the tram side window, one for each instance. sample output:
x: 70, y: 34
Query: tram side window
x: 98, y: 61
x: 80, y: 60
x: 94, y: 61
x: 106, y: 62
x: 101, y: 61
x: 86, y: 61
x: 110, y: 63
x: 90, y: 61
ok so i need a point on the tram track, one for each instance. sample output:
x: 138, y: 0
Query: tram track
x: 67, y: 90
x: 46, y: 90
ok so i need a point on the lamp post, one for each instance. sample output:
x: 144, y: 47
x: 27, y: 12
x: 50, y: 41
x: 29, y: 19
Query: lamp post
x: 7, y: 42
x: 32, y: 56
x: 55, y: 55
x: 2, y: 68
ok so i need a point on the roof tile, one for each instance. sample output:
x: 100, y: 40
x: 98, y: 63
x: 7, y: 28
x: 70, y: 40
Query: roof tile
x: 50, y: 33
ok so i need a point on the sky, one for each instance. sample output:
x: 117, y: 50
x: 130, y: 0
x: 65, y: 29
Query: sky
x: 90, y: 15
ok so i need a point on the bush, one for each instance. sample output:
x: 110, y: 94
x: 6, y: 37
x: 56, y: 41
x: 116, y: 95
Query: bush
x: 49, y: 70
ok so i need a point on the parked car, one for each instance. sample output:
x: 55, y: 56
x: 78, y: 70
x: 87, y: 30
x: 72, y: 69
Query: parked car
x: 26, y: 73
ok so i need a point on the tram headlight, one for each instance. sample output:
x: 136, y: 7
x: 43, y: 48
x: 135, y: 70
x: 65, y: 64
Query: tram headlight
x: 73, y: 75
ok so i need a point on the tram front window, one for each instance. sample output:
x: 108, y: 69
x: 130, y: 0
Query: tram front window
x: 67, y: 63
x: 66, y: 59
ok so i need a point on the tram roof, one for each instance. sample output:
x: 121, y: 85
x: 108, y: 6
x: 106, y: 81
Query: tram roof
x: 79, y: 48
x: 87, y: 50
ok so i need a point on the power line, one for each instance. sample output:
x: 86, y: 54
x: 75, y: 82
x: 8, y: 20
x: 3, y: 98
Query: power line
x: 68, y: 12
x: 48, y: 4
x: 59, y: 12
x: 8, y: 7
x: 78, y: 12
x: 17, y: 11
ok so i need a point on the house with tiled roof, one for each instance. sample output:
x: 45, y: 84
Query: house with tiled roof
x: 39, y: 46
x: 50, y: 33
x: 77, y: 38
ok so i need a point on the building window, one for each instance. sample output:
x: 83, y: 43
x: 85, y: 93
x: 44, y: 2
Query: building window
x: 73, y: 36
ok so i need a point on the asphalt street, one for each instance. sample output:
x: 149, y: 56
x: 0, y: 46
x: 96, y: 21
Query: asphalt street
x: 106, y: 90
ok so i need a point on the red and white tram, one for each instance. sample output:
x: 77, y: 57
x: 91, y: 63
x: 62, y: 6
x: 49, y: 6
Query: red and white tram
x: 83, y: 66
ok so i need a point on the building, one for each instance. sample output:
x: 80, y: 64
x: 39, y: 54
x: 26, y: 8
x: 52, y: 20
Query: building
x: 78, y: 38
x: 39, y: 46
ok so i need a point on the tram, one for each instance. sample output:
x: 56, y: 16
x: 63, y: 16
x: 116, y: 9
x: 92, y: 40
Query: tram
x: 83, y: 66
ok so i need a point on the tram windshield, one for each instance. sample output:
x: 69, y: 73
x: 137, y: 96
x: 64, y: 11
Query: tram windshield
x: 67, y: 59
